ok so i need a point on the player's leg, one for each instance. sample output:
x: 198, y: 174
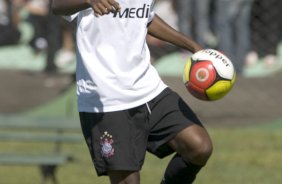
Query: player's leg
x: 124, y: 177
x: 175, y: 128
x: 193, y: 147
x: 193, y: 144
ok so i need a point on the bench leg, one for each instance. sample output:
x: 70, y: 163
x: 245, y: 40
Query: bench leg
x: 48, y: 172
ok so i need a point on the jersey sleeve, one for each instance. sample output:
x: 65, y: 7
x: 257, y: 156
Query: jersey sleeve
x: 151, y: 16
x: 71, y: 17
x: 152, y: 12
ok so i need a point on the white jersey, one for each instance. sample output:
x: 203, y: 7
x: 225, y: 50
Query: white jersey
x: 113, y: 60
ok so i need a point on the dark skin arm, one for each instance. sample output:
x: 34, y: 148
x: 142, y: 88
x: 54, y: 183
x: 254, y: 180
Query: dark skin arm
x: 68, y: 7
x: 161, y: 30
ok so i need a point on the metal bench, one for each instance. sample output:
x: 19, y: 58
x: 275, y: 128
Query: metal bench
x: 54, y: 131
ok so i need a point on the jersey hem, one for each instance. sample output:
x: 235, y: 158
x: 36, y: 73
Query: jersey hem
x: 122, y: 106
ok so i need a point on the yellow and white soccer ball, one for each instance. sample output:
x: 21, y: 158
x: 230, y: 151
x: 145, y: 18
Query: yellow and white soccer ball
x: 209, y: 75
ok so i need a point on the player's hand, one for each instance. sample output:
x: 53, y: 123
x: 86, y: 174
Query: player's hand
x: 102, y: 7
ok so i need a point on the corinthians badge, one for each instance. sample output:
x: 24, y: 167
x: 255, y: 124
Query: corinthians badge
x: 107, y: 149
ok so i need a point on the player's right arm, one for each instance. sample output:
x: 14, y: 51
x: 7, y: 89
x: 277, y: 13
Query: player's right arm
x: 69, y: 7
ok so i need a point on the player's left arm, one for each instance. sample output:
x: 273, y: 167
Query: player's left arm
x: 69, y: 7
x: 161, y: 30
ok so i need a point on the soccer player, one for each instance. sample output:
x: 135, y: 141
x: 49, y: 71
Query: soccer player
x: 124, y: 106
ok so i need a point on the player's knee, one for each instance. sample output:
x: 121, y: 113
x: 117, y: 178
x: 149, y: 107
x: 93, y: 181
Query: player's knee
x: 200, y: 153
x: 203, y: 153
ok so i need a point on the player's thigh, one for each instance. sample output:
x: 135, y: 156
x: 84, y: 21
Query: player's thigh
x: 173, y: 125
x: 193, y: 143
x: 124, y: 177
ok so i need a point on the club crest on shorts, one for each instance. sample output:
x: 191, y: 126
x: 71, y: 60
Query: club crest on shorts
x: 107, y: 149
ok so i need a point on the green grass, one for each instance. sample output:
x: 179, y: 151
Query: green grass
x: 249, y: 155
x: 244, y: 155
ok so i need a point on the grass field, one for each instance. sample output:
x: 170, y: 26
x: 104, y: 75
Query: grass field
x: 250, y: 155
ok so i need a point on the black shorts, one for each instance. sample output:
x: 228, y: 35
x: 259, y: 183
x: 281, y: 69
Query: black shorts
x: 119, y: 140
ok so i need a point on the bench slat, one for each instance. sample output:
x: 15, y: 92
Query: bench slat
x: 33, y: 159
x: 32, y: 137
x: 15, y: 122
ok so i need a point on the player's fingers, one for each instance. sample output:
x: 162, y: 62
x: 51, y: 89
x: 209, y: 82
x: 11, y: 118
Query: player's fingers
x: 105, y: 6
x: 109, y: 7
x: 115, y: 5
x: 97, y: 11
x: 103, y: 9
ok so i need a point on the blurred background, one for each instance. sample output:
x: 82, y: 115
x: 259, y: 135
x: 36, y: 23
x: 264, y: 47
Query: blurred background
x: 37, y: 71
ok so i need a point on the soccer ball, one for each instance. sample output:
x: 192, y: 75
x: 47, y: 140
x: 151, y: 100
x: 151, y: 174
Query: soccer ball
x: 209, y: 75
